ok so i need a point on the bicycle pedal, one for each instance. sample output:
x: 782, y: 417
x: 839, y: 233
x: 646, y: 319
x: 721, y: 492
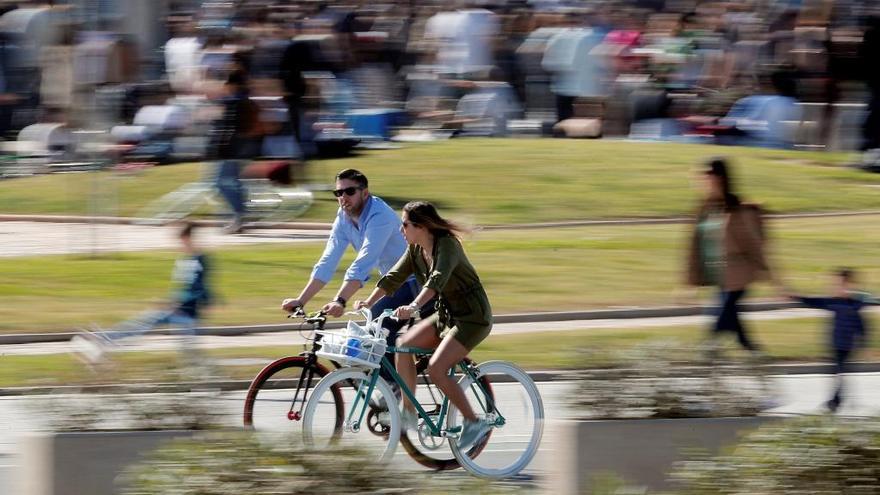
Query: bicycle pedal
x: 453, y: 432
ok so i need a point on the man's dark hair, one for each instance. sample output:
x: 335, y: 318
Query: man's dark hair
x: 846, y: 274
x: 355, y: 175
x: 186, y: 229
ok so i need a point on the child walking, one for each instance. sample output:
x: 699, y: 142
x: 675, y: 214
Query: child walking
x: 848, y: 328
x: 190, y: 297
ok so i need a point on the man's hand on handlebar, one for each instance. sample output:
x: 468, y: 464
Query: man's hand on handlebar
x: 333, y: 309
x: 290, y: 305
x: 358, y: 305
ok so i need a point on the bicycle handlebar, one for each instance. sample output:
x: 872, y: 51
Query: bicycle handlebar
x: 318, y: 318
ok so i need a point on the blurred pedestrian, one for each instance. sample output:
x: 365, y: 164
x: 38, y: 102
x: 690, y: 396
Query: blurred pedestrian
x: 183, y: 53
x: 297, y: 59
x: 236, y: 139
x: 57, y: 75
x: 726, y: 249
x: 848, y: 328
x: 576, y: 69
x: 869, y: 54
x: 190, y: 297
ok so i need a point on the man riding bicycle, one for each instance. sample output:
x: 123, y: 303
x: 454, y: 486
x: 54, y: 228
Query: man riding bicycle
x: 372, y: 228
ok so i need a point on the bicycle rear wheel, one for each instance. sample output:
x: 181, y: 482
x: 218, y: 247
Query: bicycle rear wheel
x: 374, y: 429
x: 516, y: 416
x: 431, y: 451
x: 176, y: 205
x: 278, y: 394
x: 267, y: 203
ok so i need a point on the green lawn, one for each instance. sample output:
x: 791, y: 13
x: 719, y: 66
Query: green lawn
x: 785, y: 340
x: 486, y: 181
x: 524, y: 271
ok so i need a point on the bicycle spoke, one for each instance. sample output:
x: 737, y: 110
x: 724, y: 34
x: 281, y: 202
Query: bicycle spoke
x: 431, y: 451
x: 515, y: 435
x: 372, y: 429
x: 279, y: 394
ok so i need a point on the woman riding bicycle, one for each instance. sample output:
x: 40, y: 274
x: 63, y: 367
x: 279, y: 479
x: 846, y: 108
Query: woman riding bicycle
x: 464, y: 318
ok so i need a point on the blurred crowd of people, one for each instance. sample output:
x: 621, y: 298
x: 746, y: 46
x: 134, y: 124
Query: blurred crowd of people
x: 729, y: 72
x: 756, y: 72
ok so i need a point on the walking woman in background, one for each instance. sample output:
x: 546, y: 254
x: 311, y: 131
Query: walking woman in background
x: 727, y: 248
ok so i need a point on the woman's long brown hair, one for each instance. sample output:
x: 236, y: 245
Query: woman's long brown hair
x: 425, y: 214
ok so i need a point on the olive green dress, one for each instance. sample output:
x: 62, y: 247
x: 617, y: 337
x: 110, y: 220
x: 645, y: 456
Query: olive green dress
x: 463, y: 309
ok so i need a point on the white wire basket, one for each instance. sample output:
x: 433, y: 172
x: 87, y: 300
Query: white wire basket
x: 352, y: 350
x: 357, y: 346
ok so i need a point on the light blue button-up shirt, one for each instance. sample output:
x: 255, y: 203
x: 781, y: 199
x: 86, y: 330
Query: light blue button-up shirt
x: 376, y: 238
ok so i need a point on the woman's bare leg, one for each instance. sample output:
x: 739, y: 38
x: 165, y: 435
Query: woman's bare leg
x: 449, y: 353
x: 422, y: 335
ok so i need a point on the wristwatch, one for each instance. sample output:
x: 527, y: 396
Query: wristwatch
x: 416, y: 310
x: 341, y: 300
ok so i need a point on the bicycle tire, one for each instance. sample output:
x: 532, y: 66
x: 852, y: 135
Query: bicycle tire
x: 531, y: 425
x: 320, y: 436
x: 447, y: 463
x: 270, y: 204
x: 175, y: 205
x: 277, y: 369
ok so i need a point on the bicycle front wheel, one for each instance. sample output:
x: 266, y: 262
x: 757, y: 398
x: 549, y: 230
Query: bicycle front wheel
x: 516, y: 419
x: 371, y: 420
x: 277, y: 395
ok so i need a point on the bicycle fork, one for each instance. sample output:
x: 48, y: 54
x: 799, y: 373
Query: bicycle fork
x: 307, y: 374
x: 351, y: 425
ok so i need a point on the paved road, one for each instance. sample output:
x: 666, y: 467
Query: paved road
x: 40, y: 238
x: 798, y: 394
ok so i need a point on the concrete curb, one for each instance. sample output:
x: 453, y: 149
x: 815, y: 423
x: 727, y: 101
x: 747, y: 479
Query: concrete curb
x: 599, y: 314
x: 326, y: 226
x: 662, y: 221
x: 238, y: 385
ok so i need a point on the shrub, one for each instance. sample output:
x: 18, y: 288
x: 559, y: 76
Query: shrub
x: 128, y: 411
x: 670, y: 380
x: 245, y: 463
x: 805, y: 456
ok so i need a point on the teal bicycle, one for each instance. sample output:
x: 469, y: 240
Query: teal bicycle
x: 513, y: 408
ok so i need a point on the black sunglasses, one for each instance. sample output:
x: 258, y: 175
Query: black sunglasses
x: 348, y: 191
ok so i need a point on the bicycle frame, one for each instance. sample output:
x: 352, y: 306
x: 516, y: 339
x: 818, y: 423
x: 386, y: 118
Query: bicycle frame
x: 307, y: 375
x: 435, y: 428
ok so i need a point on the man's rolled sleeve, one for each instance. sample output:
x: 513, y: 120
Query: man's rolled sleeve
x: 333, y: 252
x: 375, y: 240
